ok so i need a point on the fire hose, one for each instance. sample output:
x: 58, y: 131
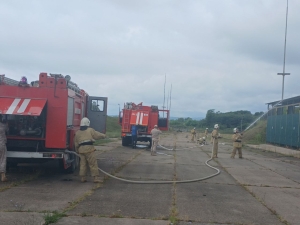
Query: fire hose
x: 160, y: 182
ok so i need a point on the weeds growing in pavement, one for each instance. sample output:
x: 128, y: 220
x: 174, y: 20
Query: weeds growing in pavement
x: 53, y: 217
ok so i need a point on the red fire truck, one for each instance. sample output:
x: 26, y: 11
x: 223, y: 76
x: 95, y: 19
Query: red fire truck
x: 145, y: 118
x: 43, y: 117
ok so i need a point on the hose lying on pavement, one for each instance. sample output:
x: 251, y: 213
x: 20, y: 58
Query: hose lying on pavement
x: 160, y: 182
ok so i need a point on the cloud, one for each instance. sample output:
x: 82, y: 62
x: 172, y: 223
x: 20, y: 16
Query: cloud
x: 222, y: 55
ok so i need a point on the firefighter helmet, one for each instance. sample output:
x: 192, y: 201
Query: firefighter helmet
x: 85, y: 122
x: 235, y: 130
x: 216, y: 126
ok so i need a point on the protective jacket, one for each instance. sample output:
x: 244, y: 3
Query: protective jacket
x: 155, y: 134
x: 84, y: 140
x: 215, y: 135
x: 237, y: 140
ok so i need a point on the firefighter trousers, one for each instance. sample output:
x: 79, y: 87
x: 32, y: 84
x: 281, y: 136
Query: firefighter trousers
x: 193, y: 137
x: 88, y: 159
x: 215, y: 148
x: 2, y: 158
x: 234, y: 152
x: 154, y: 145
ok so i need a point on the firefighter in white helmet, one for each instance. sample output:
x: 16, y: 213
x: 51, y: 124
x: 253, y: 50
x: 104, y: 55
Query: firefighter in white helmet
x: 3, y: 129
x: 84, y: 139
x: 215, y: 136
x: 237, y: 143
x: 193, y: 133
x: 155, y: 132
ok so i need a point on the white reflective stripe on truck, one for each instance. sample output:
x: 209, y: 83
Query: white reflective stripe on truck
x: 23, y: 105
x: 13, y: 106
x: 35, y: 155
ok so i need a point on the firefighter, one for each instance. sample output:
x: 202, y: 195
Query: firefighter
x: 155, y: 132
x: 237, y: 143
x: 84, y: 139
x: 193, y: 132
x: 205, y: 135
x: 215, y: 136
x: 3, y: 129
x: 201, y: 141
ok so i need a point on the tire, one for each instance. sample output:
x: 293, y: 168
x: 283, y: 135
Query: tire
x: 126, y: 141
x: 150, y: 144
x: 74, y: 165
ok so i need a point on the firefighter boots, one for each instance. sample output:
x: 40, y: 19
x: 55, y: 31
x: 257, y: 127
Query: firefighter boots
x: 83, y: 179
x: 97, y: 179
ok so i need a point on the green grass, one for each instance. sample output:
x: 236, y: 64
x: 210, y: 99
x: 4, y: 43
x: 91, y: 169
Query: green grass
x: 256, y: 134
x: 113, y: 129
x: 53, y: 217
x: 103, y: 141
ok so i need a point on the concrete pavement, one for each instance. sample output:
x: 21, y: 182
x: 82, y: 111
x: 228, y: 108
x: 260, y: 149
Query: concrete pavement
x: 263, y: 188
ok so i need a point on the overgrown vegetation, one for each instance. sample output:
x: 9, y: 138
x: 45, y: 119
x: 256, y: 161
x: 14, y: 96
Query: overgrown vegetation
x: 227, y: 121
x: 257, y: 134
x: 113, y: 129
x: 53, y: 217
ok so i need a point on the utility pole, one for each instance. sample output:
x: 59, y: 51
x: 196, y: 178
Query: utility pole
x: 284, y: 73
x: 164, y: 96
x: 242, y: 124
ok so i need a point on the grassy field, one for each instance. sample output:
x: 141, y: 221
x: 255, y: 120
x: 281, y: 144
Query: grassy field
x: 255, y: 135
x: 113, y: 131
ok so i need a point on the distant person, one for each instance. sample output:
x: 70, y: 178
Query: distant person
x: 193, y: 133
x: 237, y: 143
x: 134, y: 133
x: 201, y: 141
x: 84, y: 145
x: 215, y: 136
x: 3, y: 150
x: 155, y: 132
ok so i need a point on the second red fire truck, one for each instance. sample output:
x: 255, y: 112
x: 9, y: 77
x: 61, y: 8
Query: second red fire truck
x: 145, y: 118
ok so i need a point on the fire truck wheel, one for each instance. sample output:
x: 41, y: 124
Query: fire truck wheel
x: 72, y: 167
x: 10, y: 165
x: 74, y: 164
x: 126, y: 141
x: 150, y: 143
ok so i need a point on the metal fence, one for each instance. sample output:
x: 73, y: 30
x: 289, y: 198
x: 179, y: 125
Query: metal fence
x: 283, y: 126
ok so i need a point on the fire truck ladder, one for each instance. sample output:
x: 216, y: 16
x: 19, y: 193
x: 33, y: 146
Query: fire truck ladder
x: 8, y: 81
x: 126, y: 119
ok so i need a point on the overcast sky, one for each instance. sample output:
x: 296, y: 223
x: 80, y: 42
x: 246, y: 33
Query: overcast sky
x: 222, y: 55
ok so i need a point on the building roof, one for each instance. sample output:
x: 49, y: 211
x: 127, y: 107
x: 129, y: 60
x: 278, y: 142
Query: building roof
x: 287, y: 101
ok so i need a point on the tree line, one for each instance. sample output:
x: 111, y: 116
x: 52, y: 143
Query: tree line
x: 228, y: 120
